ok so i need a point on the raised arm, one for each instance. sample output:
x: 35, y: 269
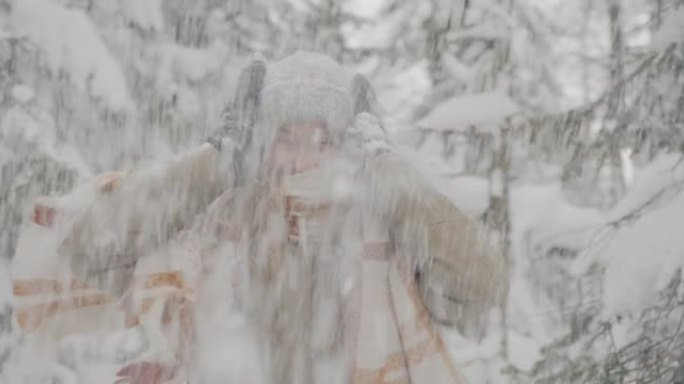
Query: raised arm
x: 460, y: 273
x: 136, y: 211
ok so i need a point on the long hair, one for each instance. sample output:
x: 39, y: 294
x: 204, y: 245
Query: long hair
x: 284, y: 279
x: 246, y: 124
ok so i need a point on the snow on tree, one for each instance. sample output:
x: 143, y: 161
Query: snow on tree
x: 70, y: 43
x: 485, y: 111
x: 590, y: 174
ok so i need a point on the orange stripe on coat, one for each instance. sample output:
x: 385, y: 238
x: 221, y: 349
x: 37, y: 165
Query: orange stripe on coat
x: 30, y: 318
x: 30, y: 287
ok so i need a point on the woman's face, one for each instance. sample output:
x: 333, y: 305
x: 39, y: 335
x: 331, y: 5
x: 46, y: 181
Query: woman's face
x: 300, y: 147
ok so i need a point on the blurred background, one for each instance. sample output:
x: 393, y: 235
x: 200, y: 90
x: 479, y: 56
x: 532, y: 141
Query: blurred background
x: 559, y: 124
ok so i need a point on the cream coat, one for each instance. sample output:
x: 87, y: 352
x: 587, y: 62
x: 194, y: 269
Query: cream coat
x: 460, y: 274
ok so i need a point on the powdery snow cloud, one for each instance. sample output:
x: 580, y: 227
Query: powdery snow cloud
x: 71, y: 45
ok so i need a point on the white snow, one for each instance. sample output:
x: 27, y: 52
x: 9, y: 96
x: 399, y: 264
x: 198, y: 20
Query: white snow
x: 644, y: 254
x: 8, y: 340
x: 17, y: 127
x: 365, y: 8
x: 544, y: 213
x: 671, y: 31
x: 458, y: 69
x: 460, y: 113
x: 193, y: 64
x: 5, y: 287
x: 639, y: 258
x: 627, y: 166
x: 72, y: 45
x: 368, y: 36
x: 401, y: 92
x: 23, y: 93
x: 496, y: 183
x: 468, y: 193
x: 146, y: 14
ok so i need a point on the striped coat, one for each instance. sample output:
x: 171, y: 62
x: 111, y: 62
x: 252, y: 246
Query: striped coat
x: 389, y: 334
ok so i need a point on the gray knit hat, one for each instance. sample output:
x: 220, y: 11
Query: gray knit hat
x: 301, y: 87
x: 307, y: 87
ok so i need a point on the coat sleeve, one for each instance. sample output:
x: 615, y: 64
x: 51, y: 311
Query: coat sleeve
x: 136, y: 211
x: 460, y: 273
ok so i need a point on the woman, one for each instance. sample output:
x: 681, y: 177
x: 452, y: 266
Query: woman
x: 331, y: 227
x: 325, y: 236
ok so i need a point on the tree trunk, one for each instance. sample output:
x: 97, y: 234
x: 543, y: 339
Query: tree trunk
x: 615, y: 134
x: 497, y: 216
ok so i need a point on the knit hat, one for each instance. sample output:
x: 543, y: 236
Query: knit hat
x: 307, y: 87
x: 301, y: 87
